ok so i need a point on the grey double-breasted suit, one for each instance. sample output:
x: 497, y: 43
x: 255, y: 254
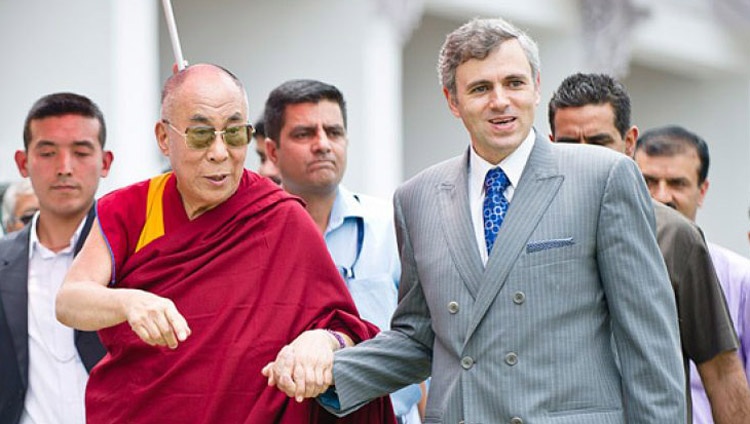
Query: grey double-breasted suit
x: 575, y: 285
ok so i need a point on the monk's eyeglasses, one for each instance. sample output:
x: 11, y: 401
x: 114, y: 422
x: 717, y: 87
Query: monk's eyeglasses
x: 202, y: 137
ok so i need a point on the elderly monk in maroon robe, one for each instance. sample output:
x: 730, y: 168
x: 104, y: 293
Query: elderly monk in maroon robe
x: 197, y: 277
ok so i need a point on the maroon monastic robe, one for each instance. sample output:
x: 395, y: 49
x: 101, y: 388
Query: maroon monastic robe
x: 248, y: 276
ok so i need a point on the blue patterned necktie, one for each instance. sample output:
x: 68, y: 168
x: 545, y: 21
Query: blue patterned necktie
x: 495, y: 204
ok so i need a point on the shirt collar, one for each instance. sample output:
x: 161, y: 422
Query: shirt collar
x: 34, y: 242
x: 345, y: 206
x: 512, y: 165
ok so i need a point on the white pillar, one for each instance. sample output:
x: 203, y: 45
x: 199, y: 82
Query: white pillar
x: 391, y: 25
x: 382, y: 125
x: 135, y: 92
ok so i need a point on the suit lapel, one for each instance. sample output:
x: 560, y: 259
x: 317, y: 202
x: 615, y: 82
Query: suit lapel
x: 14, y: 271
x: 14, y: 275
x: 456, y: 215
x: 537, y: 187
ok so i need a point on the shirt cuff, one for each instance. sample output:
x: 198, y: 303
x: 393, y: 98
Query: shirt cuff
x: 330, y: 399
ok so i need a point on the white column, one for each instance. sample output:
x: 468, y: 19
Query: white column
x: 135, y: 92
x: 391, y: 25
x: 382, y: 124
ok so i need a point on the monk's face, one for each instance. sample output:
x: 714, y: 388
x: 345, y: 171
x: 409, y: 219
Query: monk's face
x: 210, y: 174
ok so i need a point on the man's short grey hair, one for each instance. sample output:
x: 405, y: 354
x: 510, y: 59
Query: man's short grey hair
x: 476, y: 39
x: 18, y: 188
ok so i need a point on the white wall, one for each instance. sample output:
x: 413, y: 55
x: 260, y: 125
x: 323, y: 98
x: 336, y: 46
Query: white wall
x: 90, y: 47
x: 46, y: 48
x: 690, y: 70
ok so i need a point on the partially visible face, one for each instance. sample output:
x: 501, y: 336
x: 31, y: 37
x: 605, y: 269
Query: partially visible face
x: 673, y: 180
x: 311, y: 155
x: 266, y: 168
x: 26, y: 206
x: 64, y: 162
x: 592, y: 124
x: 495, y: 98
x: 205, y: 177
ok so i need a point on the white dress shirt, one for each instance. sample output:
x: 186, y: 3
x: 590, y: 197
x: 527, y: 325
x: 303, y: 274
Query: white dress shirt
x: 57, y: 376
x: 512, y: 165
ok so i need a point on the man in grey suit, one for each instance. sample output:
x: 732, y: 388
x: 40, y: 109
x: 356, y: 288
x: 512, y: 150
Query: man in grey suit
x: 563, y: 314
x: 43, y: 364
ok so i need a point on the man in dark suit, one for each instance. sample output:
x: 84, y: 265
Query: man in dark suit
x: 43, y: 364
x: 532, y: 288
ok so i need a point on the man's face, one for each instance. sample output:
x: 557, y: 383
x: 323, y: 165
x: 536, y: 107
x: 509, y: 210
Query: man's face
x: 311, y: 152
x: 592, y: 124
x: 673, y: 180
x: 266, y: 168
x: 495, y: 98
x: 26, y: 206
x: 64, y: 162
x: 205, y: 177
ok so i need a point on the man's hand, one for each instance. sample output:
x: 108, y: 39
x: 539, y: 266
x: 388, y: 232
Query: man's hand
x: 155, y: 319
x: 304, y: 368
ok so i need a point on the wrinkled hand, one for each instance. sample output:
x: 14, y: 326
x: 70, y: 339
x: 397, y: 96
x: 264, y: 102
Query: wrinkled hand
x: 304, y: 368
x: 155, y: 319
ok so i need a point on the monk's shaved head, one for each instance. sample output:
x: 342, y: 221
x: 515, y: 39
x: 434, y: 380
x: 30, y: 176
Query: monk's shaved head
x: 175, y: 82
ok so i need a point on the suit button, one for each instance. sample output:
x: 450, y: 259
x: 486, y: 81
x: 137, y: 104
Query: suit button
x: 511, y: 358
x: 467, y: 362
x: 516, y: 420
x: 519, y: 297
x: 453, y: 307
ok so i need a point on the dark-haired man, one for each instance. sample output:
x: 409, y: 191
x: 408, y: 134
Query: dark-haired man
x: 595, y: 109
x: 43, y: 364
x: 674, y: 162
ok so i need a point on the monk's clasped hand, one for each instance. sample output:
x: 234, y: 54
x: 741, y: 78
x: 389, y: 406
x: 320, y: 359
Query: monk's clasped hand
x: 155, y: 319
x: 304, y: 368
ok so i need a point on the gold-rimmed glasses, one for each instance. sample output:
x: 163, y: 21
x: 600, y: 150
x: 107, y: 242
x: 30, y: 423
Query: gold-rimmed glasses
x: 202, y: 137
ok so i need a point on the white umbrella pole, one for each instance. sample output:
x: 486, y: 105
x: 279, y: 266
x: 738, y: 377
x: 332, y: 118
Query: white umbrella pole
x: 172, y: 26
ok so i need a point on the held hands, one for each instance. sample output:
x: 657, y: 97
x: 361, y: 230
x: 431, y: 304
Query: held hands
x: 304, y: 368
x: 155, y: 319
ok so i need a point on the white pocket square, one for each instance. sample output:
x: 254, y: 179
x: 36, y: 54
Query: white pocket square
x: 537, y: 246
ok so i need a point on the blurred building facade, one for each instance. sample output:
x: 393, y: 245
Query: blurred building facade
x: 683, y: 61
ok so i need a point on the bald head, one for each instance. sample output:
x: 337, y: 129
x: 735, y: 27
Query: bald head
x: 195, y: 78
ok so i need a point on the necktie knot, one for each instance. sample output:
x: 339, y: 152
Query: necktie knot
x: 496, y: 181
